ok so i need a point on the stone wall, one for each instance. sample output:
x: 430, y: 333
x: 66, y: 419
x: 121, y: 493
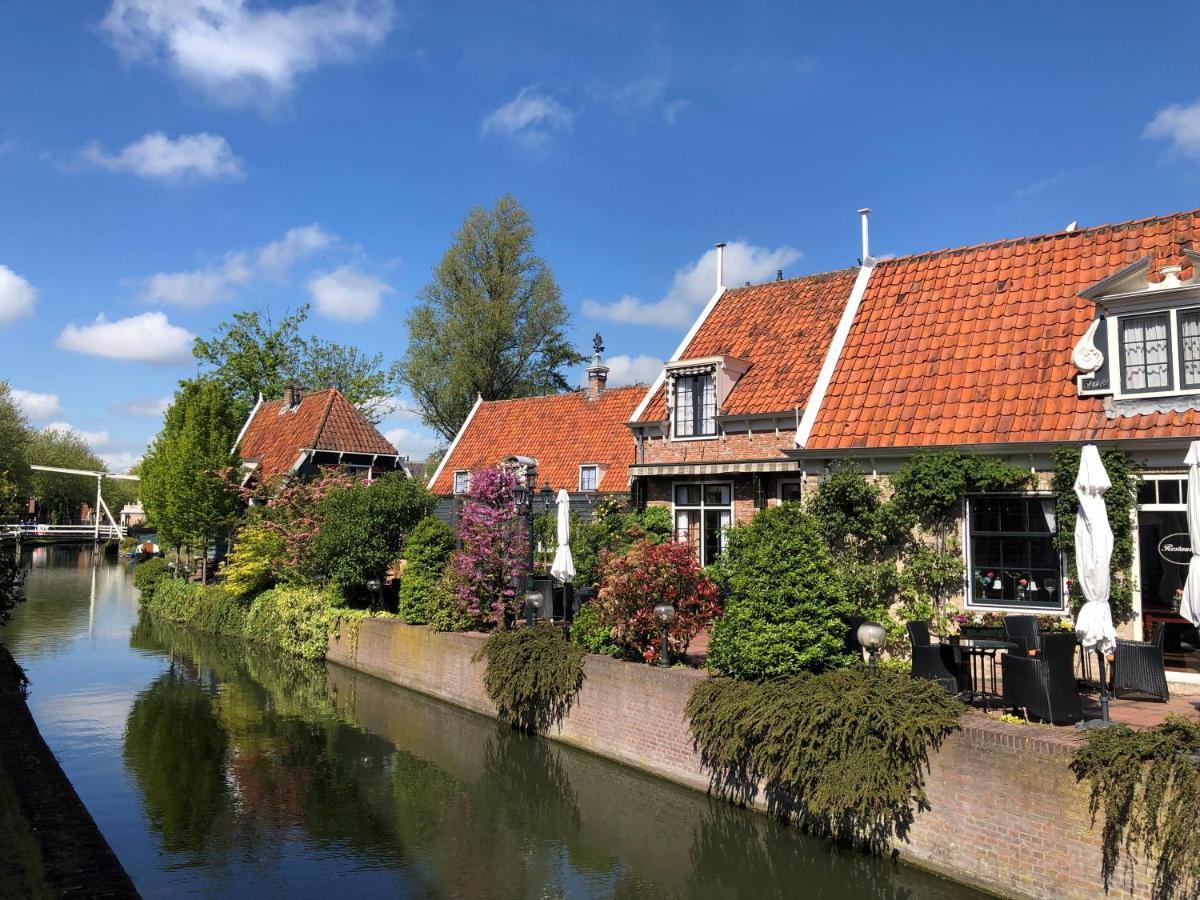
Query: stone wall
x: 1005, y: 813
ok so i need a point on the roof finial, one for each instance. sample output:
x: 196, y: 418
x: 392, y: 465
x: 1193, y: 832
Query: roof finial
x: 598, y: 343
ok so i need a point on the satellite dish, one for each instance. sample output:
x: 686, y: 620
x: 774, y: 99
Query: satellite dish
x: 1074, y: 224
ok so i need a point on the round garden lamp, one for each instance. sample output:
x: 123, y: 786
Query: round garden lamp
x: 872, y: 638
x: 665, y: 613
x: 373, y: 585
x: 533, y: 602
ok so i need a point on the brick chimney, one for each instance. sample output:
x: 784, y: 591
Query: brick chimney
x: 292, y: 395
x: 597, y: 372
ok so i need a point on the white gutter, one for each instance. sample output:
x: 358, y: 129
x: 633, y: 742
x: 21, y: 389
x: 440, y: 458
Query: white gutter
x: 457, y: 438
x: 813, y: 405
x: 249, y: 419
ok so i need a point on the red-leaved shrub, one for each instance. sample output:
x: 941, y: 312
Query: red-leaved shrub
x: 647, y: 574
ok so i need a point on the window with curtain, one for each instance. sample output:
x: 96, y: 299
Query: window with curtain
x: 462, y: 482
x: 1013, y: 562
x: 703, y: 513
x: 1189, y: 348
x: 1145, y: 353
x: 696, y: 405
x: 587, y: 478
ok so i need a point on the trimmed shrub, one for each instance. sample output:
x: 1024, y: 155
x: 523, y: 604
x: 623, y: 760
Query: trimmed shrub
x: 612, y: 530
x: 295, y: 619
x: 842, y: 753
x: 533, y: 675
x: 646, y: 575
x: 445, y: 609
x: 594, y: 637
x: 255, y: 563
x: 784, y: 611
x: 147, y: 575
x: 1147, y: 783
x: 207, y: 607
x: 426, y: 553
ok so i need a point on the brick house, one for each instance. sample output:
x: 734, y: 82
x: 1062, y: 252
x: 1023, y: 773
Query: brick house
x: 1011, y: 348
x: 578, y: 440
x: 302, y: 433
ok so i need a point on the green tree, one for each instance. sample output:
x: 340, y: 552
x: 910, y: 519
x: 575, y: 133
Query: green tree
x: 14, y: 454
x: 60, y: 496
x: 490, y: 323
x: 426, y: 553
x: 250, y: 354
x: 363, y: 530
x: 185, y: 487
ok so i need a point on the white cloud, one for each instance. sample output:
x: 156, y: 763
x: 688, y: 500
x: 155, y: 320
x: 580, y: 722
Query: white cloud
x: 239, y: 52
x: 1178, y: 124
x: 93, y: 439
x: 625, y: 369
x: 120, y: 462
x: 151, y: 407
x: 416, y: 445
x: 149, y: 337
x: 199, y: 287
x: 17, y: 296
x: 217, y: 282
x: 529, y: 118
x: 189, y: 156
x: 694, y: 285
x: 37, y: 406
x: 279, y: 256
x: 348, y: 295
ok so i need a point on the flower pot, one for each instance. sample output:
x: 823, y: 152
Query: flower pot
x: 982, y: 632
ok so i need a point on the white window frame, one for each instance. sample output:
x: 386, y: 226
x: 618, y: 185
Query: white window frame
x: 596, y: 481
x: 673, y: 387
x: 969, y: 601
x: 1181, y: 506
x: 1116, y: 355
x: 466, y: 476
x: 702, y: 508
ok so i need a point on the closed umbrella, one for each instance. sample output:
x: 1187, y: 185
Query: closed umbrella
x: 564, y: 566
x: 1093, y: 559
x: 1189, y: 607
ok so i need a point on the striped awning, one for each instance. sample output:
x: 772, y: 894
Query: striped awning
x: 716, y: 468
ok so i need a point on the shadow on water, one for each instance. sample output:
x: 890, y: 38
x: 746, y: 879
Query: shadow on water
x: 237, y: 753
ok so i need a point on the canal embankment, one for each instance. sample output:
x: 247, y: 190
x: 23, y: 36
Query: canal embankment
x: 1004, y: 811
x: 49, y: 843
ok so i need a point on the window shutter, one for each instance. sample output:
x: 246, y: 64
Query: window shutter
x: 760, y: 492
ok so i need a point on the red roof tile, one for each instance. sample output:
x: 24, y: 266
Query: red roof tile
x: 782, y: 328
x: 560, y: 431
x: 324, y: 420
x: 973, y: 345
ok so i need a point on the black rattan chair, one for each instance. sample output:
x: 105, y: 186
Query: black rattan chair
x: 1044, y: 685
x: 1023, y: 631
x: 939, y: 662
x: 1139, y: 670
x: 918, y: 634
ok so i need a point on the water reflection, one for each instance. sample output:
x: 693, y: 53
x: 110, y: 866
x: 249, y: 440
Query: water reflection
x: 215, y: 768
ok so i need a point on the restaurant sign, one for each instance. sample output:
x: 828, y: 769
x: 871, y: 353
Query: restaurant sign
x: 1176, y: 548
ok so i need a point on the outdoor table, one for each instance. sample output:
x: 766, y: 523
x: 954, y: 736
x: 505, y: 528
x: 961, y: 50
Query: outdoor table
x: 982, y: 656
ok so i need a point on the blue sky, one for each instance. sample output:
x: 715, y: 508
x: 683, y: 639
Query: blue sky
x: 166, y: 162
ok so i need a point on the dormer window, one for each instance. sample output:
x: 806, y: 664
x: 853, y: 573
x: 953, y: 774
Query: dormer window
x: 589, y: 477
x: 462, y: 482
x: 1145, y: 354
x: 696, y: 405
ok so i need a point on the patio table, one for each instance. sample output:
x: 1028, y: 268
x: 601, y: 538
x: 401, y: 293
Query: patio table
x: 982, y: 655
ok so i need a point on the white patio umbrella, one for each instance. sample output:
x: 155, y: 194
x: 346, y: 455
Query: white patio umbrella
x: 1093, y: 560
x: 563, y: 567
x: 1189, y: 607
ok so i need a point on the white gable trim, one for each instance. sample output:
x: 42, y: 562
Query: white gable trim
x: 454, y: 443
x: 817, y: 396
x: 249, y: 419
x: 683, y: 345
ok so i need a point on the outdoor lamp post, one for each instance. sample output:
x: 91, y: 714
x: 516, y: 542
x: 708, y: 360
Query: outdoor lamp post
x: 665, y: 613
x: 373, y: 585
x: 533, y: 602
x: 872, y: 637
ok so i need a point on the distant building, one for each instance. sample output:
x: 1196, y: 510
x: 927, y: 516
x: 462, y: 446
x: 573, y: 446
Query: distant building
x: 302, y: 433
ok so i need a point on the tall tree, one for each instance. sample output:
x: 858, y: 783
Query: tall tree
x: 185, y: 487
x: 491, y: 322
x: 14, y: 454
x: 250, y: 354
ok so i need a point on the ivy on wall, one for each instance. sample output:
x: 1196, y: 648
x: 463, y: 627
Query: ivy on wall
x: 1120, y: 501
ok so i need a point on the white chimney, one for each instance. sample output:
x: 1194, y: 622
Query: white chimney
x: 720, y: 265
x: 865, y: 212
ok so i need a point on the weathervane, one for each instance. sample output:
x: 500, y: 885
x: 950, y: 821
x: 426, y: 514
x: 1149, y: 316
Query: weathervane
x: 598, y: 343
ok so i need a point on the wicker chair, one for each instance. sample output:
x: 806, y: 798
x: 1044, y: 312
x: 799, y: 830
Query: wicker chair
x: 1139, y: 670
x: 1044, y: 685
x: 936, y: 662
x: 1023, y: 631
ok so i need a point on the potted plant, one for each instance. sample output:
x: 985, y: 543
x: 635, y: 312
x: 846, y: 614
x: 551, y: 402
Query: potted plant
x: 984, y: 626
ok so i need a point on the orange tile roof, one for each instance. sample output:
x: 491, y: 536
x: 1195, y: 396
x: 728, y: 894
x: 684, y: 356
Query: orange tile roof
x: 782, y: 328
x: 560, y: 431
x: 973, y: 345
x: 324, y: 420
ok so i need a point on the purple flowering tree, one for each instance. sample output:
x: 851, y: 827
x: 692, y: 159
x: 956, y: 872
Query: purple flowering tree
x: 494, y: 549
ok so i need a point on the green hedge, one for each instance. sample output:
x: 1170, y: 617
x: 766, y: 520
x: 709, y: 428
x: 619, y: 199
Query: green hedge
x: 146, y: 575
x: 533, y: 675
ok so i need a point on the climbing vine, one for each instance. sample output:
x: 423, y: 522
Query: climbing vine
x: 1147, y: 784
x: 533, y: 675
x: 1120, y: 501
x: 842, y: 753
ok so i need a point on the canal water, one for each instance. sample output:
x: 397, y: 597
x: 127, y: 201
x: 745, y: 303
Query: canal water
x: 219, y: 769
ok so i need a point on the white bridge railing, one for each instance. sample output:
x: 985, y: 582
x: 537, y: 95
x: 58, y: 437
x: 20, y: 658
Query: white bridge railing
x: 105, y: 532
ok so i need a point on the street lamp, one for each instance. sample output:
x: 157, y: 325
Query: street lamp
x: 373, y: 585
x: 665, y: 613
x: 872, y: 638
x: 533, y: 602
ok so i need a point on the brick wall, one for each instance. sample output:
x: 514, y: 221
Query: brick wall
x: 727, y: 447
x: 1005, y: 813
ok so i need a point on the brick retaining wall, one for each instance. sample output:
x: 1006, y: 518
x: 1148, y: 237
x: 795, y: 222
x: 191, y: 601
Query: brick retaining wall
x: 1005, y: 813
